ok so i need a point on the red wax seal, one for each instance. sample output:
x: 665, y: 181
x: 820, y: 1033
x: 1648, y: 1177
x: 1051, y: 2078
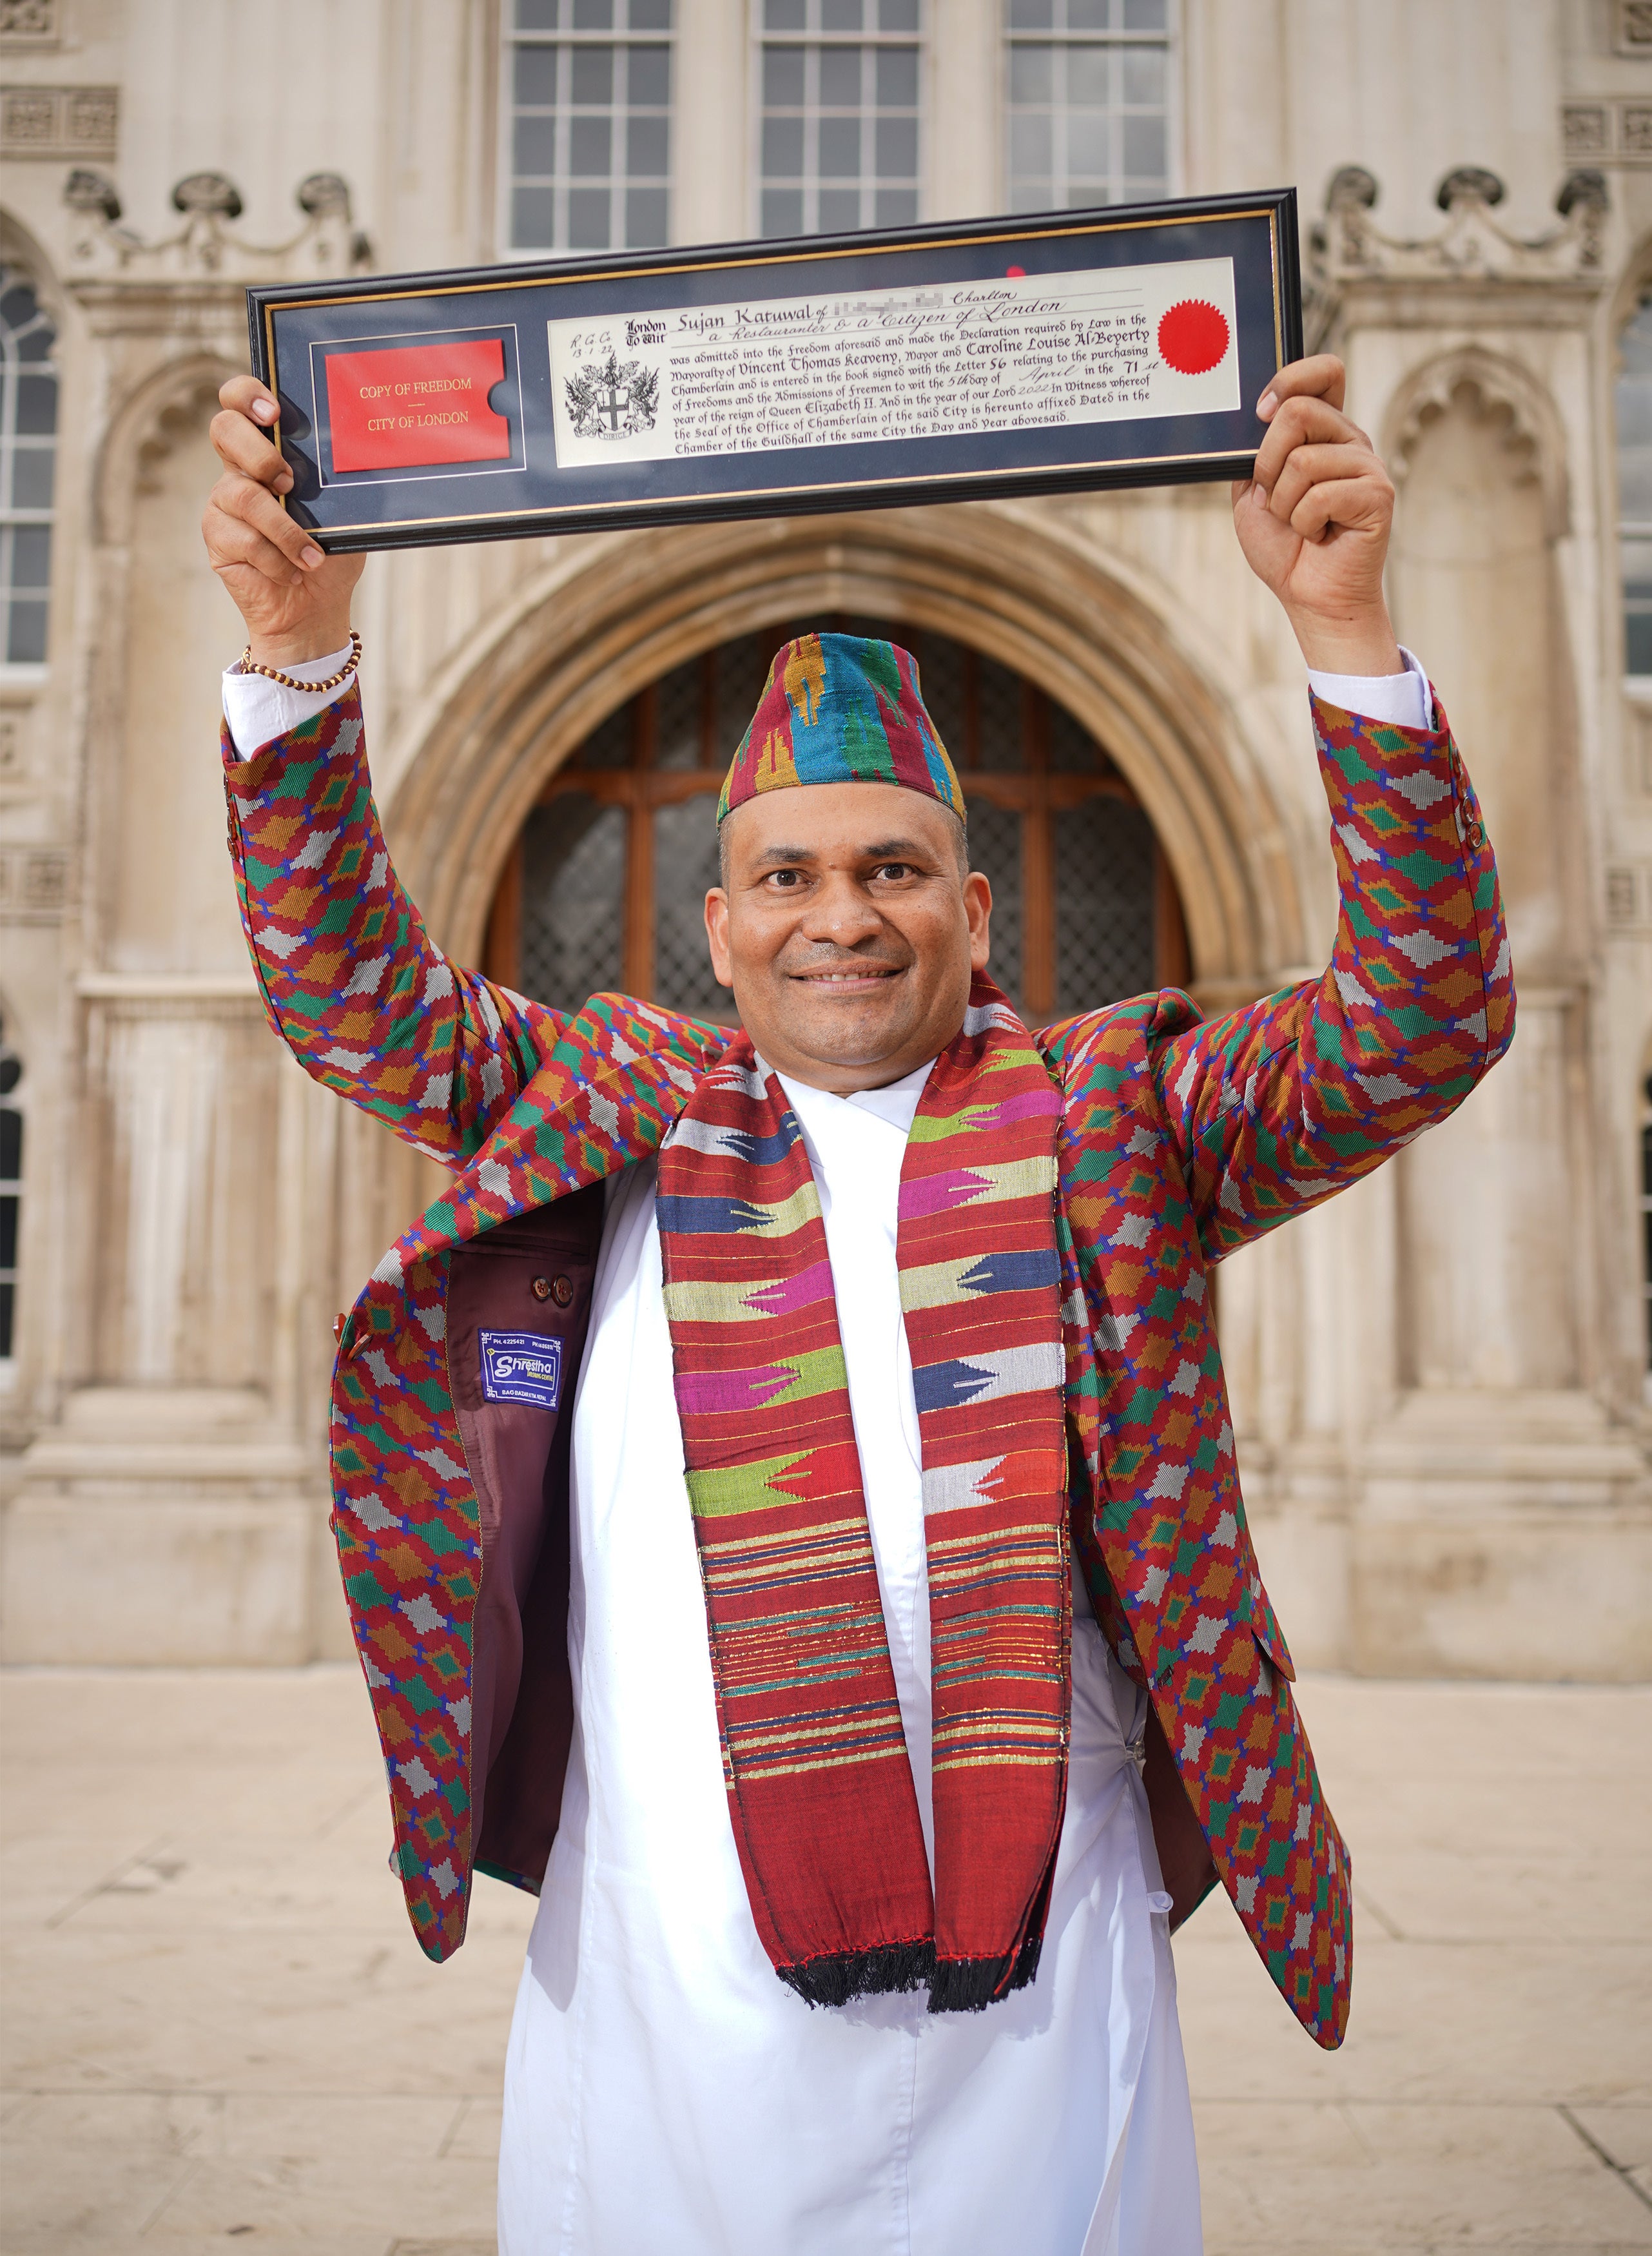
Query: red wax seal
x: 1015, y: 274
x: 1193, y: 336
x: 416, y: 404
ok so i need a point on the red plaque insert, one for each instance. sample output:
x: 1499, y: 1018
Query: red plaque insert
x: 413, y: 404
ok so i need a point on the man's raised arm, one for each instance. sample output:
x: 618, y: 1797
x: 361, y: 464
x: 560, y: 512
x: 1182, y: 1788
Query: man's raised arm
x: 350, y: 979
x: 1275, y: 1106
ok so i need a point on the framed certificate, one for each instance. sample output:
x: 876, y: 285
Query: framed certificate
x: 1126, y: 346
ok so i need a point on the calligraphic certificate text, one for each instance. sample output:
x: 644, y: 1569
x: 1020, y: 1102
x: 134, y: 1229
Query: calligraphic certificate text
x: 1027, y: 352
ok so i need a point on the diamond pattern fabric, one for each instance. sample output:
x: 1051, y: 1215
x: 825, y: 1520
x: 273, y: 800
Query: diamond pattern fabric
x: 1180, y: 1139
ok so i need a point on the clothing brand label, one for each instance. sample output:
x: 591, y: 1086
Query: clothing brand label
x: 521, y: 1367
x: 416, y: 405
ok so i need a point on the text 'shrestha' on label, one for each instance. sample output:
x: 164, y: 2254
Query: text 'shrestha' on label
x: 521, y: 1367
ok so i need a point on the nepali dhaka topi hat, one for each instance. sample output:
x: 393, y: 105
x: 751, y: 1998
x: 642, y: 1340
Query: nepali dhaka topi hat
x: 839, y: 708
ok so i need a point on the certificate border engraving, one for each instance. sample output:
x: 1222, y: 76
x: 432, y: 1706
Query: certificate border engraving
x: 907, y: 249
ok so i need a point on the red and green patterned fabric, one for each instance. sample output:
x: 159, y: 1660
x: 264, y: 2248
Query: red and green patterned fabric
x: 839, y: 708
x: 1179, y: 1139
x: 821, y: 1794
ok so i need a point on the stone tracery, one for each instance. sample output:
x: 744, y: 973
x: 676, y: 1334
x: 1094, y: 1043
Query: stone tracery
x: 1489, y: 384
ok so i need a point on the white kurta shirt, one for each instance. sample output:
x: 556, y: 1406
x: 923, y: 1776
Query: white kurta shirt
x: 664, y: 2091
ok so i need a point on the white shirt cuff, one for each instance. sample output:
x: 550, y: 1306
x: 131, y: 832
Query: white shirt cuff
x: 259, y: 711
x: 1401, y: 699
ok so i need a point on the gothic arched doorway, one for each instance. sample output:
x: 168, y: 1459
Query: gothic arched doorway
x: 604, y: 885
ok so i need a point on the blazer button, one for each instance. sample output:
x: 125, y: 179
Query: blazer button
x: 541, y: 1288
x: 561, y: 1290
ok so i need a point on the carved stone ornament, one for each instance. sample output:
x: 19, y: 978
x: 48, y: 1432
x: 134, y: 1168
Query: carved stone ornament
x: 323, y: 195
x: 35, y: 879
x: 1587, y: 128
x: 1469, y: 184
x: 46, y: 880
x: 90, y: 192
x: 209, y: 246
x: 1603, y: 132
x: 1624, y: 888
x: 1504, y: 395
x: 1634, y: 27
x: 29, y: 23
x: 184, y: 417
x: 1349, y: 246
x: 207, y: 192
x: 58, y: 121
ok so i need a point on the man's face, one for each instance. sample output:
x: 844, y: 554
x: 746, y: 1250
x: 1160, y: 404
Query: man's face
x: 847, y: 930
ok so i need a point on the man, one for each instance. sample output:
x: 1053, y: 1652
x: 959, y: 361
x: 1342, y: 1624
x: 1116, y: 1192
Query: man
x: 712, y: 1459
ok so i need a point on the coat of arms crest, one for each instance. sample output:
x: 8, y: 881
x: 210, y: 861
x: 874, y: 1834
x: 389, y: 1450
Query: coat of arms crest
x: 613, y: 399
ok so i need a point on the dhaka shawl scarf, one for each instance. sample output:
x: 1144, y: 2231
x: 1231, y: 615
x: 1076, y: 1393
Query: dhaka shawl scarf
x: 820, y: 1788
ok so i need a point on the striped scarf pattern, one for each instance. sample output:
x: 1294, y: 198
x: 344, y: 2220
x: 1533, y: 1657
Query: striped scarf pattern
x: 821, y: 1794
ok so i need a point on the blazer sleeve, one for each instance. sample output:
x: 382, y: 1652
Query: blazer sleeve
x: 1275, y: 1106
x: 350, y: 979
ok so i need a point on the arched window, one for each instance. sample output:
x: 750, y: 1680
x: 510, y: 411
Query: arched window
x: 1634, y: 488
x: 606, y: 884
x: 28, y: 449
x: 11, y: 1185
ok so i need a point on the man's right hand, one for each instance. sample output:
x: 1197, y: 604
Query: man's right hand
x: 295, y: 600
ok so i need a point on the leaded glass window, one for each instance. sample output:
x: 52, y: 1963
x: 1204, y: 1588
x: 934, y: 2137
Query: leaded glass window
x: 588, y: 110
x: 1634, y: 489
x: 1089, y: 115
x: 1085, y: 908
x: 28, y: 461
x: 839, y: 84
x: 606, y: 888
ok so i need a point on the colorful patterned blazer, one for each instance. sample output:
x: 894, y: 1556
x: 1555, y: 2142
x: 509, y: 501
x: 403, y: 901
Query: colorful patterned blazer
x: 1182, y: 1139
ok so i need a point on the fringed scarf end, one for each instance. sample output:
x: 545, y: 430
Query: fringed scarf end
x: 970, y: 1985
x: 834, y: 1980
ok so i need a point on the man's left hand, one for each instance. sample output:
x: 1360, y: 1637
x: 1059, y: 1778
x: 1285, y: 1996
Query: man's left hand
x: 1313, y: 521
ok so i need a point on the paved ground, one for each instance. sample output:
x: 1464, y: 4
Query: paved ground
x: 216, y: 2025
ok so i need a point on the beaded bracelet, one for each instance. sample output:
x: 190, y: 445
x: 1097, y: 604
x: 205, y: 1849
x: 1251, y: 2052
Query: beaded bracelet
x: 290, y: 681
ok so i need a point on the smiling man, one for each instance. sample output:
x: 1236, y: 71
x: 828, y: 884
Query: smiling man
x: 785, y: 1487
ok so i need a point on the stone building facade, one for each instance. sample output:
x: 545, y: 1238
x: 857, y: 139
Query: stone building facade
x: 1440, y: 1380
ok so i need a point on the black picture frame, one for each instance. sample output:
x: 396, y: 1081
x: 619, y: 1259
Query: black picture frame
x: 349, y: 493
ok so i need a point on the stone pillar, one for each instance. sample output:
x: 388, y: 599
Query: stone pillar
x: 170, y: 1515
x: 1499, y: 1496
x: 171, y: 1507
